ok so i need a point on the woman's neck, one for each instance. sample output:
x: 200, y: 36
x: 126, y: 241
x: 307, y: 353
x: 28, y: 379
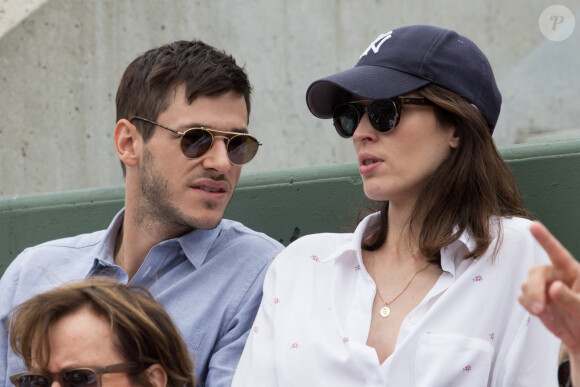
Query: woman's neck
x: 401, y: 243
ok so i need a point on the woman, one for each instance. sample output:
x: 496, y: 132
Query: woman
x: 424, y: 292
x: 98, y: 333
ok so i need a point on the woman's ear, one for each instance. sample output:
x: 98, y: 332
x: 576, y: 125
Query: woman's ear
x: 454, y: 139
x: 156, y: 376
x: 126, y: 140
x: 449, y: 130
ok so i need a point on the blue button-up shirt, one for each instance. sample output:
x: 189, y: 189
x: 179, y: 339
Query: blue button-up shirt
x: 209, y: 281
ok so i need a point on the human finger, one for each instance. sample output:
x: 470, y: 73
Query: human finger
x: 534, y: 294
x: 559, y: 255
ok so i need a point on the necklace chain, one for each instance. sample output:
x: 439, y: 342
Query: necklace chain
x: 386, y: 310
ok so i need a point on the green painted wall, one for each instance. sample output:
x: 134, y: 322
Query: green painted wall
x: 290, y: 203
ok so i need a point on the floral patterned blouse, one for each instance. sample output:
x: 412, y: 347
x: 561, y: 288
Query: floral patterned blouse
x: 469, y: 330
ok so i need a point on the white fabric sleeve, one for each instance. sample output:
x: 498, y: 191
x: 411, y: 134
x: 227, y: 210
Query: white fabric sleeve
x: 257, y: 366
x: 532, y: 359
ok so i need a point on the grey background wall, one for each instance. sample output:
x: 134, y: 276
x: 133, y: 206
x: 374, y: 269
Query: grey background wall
x: 61, y: 60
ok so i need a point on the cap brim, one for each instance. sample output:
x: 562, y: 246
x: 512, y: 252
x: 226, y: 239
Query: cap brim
x: 368, y: 82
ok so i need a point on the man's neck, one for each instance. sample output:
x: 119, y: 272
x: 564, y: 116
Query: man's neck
x: 134, y: 241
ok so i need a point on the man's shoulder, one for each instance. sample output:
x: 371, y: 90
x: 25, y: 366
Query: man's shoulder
x: 243, y: 249
x: 49, y: 264
x: 61, y: 249
x: 80, y: 241
x: 236, y: 232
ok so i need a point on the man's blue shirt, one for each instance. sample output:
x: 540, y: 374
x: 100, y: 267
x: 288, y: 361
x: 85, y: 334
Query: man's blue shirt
x: 209, y: 281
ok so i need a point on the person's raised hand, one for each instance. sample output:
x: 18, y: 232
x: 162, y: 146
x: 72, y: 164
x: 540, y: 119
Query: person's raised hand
x: 552, y: 292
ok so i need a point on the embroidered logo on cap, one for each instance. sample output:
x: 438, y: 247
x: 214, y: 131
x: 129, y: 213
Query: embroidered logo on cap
x: 377, y: 43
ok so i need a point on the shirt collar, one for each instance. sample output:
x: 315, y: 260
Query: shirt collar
x: 197, y: 243
x: 451, y: 256
x: 354, y: 243
x: 106, y: 249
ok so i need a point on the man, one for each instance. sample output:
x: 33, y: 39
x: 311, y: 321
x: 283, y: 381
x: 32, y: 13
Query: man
x: 108, y: 332
x: 552, y: 292
x: 181, y: 135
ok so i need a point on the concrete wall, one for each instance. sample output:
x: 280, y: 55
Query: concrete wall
x: 61, y: 60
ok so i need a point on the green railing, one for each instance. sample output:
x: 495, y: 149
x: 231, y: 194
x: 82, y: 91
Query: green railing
x: 290, y: 203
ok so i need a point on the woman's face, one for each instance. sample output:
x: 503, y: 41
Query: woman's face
x: 396, y: 165
x: 83, y: 339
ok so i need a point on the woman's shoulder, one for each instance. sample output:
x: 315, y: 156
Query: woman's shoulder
x: 309, y: 256
x: 518, y: 241
x: 323, y: 243
x: 324, y: 247
x: 516, y: 223
x: 515, y: 228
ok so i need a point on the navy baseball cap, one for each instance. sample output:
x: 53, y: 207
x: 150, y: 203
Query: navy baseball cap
x: 409, y: 58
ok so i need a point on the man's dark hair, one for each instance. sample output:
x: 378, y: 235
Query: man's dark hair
x: 151, y: 80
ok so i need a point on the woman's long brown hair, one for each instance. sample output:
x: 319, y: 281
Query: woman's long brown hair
x: 467, y: 191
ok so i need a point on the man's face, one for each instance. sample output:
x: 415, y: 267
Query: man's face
x: 187, y: 193
x: 84, y: 339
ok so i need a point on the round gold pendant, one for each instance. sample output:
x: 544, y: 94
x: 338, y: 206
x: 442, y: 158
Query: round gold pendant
x: 385, y: 311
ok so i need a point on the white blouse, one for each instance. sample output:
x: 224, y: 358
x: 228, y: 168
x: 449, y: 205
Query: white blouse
x: 469, y: 330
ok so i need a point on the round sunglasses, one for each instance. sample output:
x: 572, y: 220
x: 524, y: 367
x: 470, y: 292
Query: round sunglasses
x: 383, y: 114
x: 197, y: 141
x: 73, y: 377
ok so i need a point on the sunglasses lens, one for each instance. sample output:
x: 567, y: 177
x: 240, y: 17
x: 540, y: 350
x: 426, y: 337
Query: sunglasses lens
x: 195, y: 143
x: 32, y: 380
x: 564, y: 373
x: 242, y: 149
x: 346, y: 119
x: 80, y: 378
x: 383, y: 115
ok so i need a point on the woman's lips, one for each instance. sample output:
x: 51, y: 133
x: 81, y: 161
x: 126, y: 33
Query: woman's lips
x: 367, y: 163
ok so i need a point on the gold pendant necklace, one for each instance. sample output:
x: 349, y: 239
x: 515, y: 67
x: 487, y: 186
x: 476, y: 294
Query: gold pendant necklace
x: 385, y: 311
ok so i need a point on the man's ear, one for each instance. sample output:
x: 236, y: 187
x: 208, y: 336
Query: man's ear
x: 156, y: 376
x: 127, y: 141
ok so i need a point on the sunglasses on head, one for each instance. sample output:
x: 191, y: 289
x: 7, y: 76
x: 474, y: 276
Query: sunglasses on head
x: 383, y: 114
x: 72, y: 377
x: 196, y: 142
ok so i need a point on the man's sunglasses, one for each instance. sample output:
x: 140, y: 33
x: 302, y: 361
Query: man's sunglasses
x: 73, y: 377
x: 384, y: 114
x: 196, y: 142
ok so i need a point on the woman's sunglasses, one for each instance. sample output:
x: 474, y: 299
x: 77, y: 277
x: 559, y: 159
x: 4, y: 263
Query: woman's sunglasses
x: 383, y: 114
x: 73, y: 377
x: 196, y: 142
